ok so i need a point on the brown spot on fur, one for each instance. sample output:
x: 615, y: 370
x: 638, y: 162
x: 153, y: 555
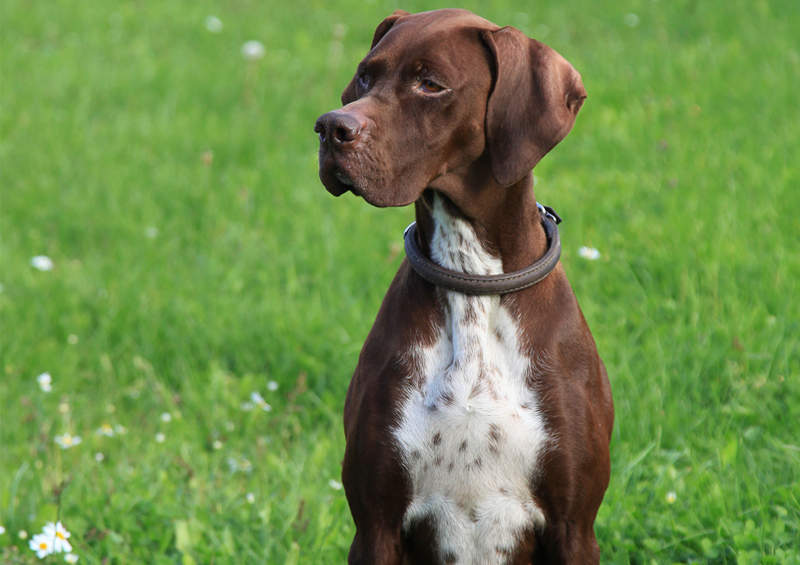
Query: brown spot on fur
x: 438, y: 460
x: 494, y: 433
x: 495, y: 437
x: 415, y: 455
x: 463, y: 446
x: 470, y: 313
x: 473, y: 514
x: 437, y: 438
x: 447, y: 398
x: 450, y: 558
x: 450, y: 467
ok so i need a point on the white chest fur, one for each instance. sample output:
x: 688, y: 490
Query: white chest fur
x: 470, y: 431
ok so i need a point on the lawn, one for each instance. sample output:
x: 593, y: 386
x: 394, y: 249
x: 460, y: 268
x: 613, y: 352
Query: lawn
x: 196, y: 260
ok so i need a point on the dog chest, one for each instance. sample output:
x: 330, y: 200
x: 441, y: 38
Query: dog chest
x: 469, y: 430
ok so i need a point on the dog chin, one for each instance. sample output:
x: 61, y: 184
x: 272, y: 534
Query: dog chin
x: 383, y: 199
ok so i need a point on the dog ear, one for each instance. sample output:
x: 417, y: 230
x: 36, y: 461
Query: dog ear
x: 533, y: 104
x: 386, y: 25
x: 383, y: 28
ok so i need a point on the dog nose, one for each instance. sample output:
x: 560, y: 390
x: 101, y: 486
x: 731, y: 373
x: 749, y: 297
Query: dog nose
x: 339, y: 128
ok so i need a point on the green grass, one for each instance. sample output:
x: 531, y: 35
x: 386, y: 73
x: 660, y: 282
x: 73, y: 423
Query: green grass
x: 117, y: 118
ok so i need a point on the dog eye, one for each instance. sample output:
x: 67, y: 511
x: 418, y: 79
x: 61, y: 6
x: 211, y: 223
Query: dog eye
x: 363, y: 82
x: 428, y: 86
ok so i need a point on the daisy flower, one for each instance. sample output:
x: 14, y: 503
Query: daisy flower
x: 59, y: 534
x: 71, y: 558
x: 160, y: 437
x: 259, y: 401
x: 2, y: 530
x: 166, y: 417
x: 42, y: 263
x: 589, y: 253
x: 105, y: 430
x: 334, y: 484
x: 42, y: 545
x: 67, y: 440
x: 213, y: 24
x: 45, y: 382
x: 272, y: 386
x: 253, y: 50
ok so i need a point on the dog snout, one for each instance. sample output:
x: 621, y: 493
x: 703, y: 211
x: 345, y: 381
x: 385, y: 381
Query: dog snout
x: 339, y: 129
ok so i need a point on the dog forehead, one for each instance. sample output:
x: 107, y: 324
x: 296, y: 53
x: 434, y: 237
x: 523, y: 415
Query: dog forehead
x: 443, y: 34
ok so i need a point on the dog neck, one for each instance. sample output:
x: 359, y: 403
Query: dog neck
x: 505, y: 220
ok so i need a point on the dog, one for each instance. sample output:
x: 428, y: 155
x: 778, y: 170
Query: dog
x: 479, y: 416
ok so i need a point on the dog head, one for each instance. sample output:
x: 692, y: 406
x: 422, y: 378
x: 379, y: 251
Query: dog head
x: 445, y: 99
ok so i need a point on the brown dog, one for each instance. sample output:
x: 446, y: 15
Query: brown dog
x: 478, y: 420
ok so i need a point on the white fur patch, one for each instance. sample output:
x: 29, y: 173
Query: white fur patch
x: 470, y: 431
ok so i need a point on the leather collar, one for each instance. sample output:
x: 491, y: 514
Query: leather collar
x: 506, y: 283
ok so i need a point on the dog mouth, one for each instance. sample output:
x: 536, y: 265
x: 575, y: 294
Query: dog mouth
x: 338, y: 180
x: 344, y: 179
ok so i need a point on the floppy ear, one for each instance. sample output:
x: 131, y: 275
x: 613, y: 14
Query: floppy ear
x: 533, y: 105
x: 349, y: 93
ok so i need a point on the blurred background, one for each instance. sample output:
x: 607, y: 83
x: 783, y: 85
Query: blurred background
x: 182, y: 303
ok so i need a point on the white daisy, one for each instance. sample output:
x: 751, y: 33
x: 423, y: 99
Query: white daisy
x: 42, y: 263
x: 160, y: 437
x: 272, y: 386
x: 2, y: 530
x: 253, y: 50
x: 45, y: 382
x: 671, y: 497
x: 67, y: 440
x: 71, y: 558
x: 213, y: 24
x: 589, y: 253
x: 166, y: 417
x: 99, y: 457
x: 259, y: 401
x: 42, y: 545
x: 251, y: 498
x: 59, y: 534
x: 334, y: 484
x: 105, y: 430
x: 217, y: 444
